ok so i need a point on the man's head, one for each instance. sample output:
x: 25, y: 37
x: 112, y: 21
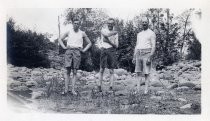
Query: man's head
x: 76, y: 24
x: 111, y: 23
x: 145, y: 23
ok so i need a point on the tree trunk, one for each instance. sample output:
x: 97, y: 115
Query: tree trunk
x: 57, y: 45
x: 185, y: 26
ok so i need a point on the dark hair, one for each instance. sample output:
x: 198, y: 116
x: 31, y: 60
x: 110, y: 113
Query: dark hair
x: 112, y: 19
x: 145, y: 17
x: 75, y: 19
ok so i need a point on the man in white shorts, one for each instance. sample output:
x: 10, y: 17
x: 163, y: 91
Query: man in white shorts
x: 73, y: 52
x: 144, y: 50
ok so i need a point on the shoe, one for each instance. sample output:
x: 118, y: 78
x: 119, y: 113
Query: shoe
x: 99, y: 89
x: 64, y: 93
x: 73, y: 92
x: 110, y: 89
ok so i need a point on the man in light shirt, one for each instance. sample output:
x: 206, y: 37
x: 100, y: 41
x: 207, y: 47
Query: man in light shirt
x: 109, y: 44
x: 73, y: 52
x: 144, y: 50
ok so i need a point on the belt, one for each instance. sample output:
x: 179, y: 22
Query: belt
x: 74, y: 48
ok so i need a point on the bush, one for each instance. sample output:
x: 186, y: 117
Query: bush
x: 27, y: 48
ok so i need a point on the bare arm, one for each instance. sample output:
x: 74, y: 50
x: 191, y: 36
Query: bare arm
x: 153, y: 41
x: 88, y: 41
x: 135, y: 50
x: 117, y: 41
x: 60, y: 40
x: 108, y: 34
x: 115, y: 44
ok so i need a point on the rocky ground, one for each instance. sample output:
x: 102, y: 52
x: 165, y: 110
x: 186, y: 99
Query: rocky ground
x: 174, y: 90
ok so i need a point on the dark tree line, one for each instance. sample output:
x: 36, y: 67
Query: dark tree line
x: 27, y: 48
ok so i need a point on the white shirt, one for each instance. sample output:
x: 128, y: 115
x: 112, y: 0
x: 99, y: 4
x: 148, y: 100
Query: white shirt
x: 75, y: 39
x: 113, y: 39
x: 145, y: 39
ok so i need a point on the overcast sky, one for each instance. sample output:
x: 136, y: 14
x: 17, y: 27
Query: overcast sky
x: 46, y: 20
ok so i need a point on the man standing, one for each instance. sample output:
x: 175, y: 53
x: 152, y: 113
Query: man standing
x: 109, y: 38
x: 73, y: 52
x: 144, y: 50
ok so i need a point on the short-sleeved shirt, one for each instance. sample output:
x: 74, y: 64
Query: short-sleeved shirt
x: 145, y: 39
x: 113, y: 39
x: 75, y: 39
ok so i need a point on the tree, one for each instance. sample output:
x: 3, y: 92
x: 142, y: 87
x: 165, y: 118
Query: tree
x: 184, y: 21
x: 92, y: 21
x: 27, y: 48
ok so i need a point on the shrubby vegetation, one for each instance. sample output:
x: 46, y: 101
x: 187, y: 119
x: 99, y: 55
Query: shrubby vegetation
x: 27, y: 48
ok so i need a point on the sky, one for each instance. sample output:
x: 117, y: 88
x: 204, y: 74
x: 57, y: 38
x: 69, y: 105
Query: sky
x: 45, y: 20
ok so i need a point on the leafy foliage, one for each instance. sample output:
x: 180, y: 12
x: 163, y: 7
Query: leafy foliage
x: 27, y: 48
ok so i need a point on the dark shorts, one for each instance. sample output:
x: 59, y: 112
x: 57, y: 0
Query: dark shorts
x: 108, y: 58
x: 73, y: 58
x: 142, y: 64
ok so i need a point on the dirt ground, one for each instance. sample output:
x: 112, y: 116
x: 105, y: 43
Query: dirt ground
x: 120, y: 101
x: 182, y: 99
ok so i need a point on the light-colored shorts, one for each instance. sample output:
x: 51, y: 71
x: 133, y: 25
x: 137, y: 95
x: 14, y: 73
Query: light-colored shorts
x: 72, y: 58
x: 142, y: 64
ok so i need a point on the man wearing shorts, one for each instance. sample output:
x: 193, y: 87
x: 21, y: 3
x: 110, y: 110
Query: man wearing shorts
x: 109, y: 38
x: 73, y: 52
x: 144, y: 50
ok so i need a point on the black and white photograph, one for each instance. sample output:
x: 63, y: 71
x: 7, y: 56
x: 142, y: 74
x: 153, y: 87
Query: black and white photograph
x: 104, y: 60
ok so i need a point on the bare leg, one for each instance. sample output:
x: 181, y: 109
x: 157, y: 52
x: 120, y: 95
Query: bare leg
x: 101, y: 78
x: 111, y: 78
x: 67, y: 79
x: 74, y: 80
x: 147, y: 79
x: 139, y: 80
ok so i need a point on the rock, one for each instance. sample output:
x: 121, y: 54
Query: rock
x: 31, y: 84
x: 187, y: 84
x: 123, y: 77
x: 79, y: 75
x: 173, y: 86
x: 183, y: 88
x: 97, y: 75
x: 37, y: 76
x: 116, y: 77
x: 90, y: 78
x: 20, y: 88
x: 156, y: 84
x: 197, y: 87
x: 182, y: 100
x: 197, y: 64
x: 156, y: 97
x: 187, y: 106
x: 142, y: 83
x: 179, y: 73
x: 37, y: 94
x: 133, y: 74
x: 168, y: 76
x: 124, y: 101
x: 161, y: 76
x: 120, y: 72
x: 83, y: 79
x: 79, y: 71
x: 121, y: 93
x: 185, y: 68
x: 124, y: 107
x: 13, y: 83
x: 158, y: 93
x: 36, y: 72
